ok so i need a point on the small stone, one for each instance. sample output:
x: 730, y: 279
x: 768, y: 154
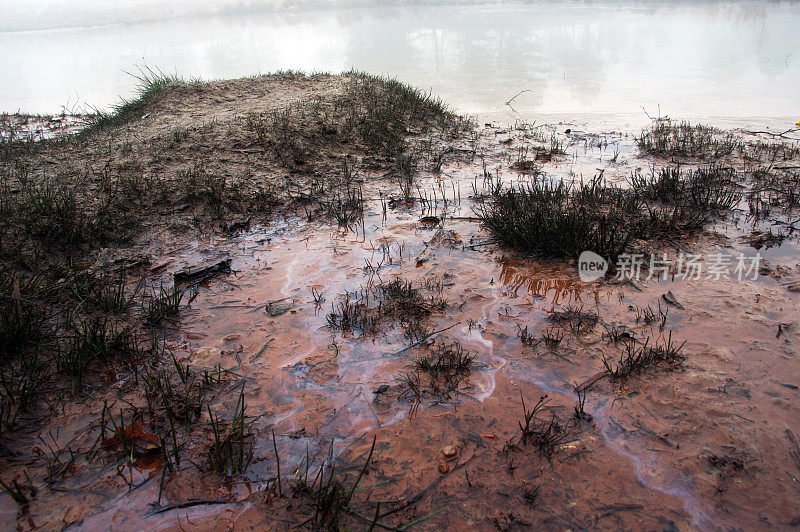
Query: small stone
x: 278, y: 309
x: 203, y: 356
x: 443, y: 468
x: 449, y: 451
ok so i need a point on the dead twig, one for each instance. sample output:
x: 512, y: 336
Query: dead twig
x: 189, y: 504
x: 794, y: 452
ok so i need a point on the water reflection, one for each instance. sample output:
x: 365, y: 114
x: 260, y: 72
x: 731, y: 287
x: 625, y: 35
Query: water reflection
x: 702, y: 59
x: 551, y: 284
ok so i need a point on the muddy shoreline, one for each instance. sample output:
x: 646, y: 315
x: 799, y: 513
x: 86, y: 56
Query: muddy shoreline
x: 237, y: 287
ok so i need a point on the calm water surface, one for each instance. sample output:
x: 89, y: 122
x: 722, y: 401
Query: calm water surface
x: 698, y: 60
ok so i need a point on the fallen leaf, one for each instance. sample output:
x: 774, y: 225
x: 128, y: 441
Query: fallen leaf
x: 143, y: 442
x: 669, y: 297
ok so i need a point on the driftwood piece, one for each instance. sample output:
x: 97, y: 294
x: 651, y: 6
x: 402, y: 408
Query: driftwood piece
x: 431, y: 246
x: 442, y: 237
x: 203, y: 270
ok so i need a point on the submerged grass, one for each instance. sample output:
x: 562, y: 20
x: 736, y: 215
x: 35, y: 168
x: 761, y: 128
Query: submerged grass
x: 20, y: 493
x: 706, y: 189
x: 20, y: 383
x: 346, y: 207
x: 94, y: 340
x: 575, y: 319
x: 332, y: 499
x: 162, y: 304
x: 445, y: 362
x: 21, y: 328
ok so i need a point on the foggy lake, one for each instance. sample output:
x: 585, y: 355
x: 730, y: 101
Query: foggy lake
x: 694, y: 60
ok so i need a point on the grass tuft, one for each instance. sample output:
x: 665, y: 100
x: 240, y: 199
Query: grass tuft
x: 563, y: 220
x: 438, y: 373
x: 150, y: 86
x: 544, y: 434
x: 559, y: 220
x: 373, y: 305
x: 232, y: 448
x: 162, y: 305
x: 638, y: 359
x: 668, y: 139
